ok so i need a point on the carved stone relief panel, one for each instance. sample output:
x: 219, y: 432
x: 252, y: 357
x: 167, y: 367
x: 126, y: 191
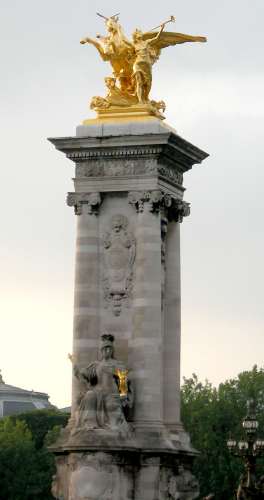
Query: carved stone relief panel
x: 91, y: 477
x: 59, y: 484
x: 182, y: 485
x: 170, y: 174
x: 98, y: 476
x: 119, y: 247
x: 116, y: 168
x: 129, y: 168
x: 163, y: 233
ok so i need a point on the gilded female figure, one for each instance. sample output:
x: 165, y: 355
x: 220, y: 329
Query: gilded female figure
x: 145, y: 57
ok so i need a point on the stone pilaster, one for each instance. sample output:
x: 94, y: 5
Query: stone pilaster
x: 172, y: 326
x: 86, y: 294
x: 146, y: 342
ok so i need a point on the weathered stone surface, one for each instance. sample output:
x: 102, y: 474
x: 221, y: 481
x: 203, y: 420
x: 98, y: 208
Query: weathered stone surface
x: 129, y: 204
x: 119, y: 259
x: 123, y: 475
x: 151, y: 125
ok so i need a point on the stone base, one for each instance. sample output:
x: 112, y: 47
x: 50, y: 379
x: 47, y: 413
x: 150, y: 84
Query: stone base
x: 123, y: 475
x: 147, y: 465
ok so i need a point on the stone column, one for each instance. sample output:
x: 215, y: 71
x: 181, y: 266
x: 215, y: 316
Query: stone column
x: 172, y: 315
x: 172, y: 326
x: 146, y: 343
x: 86, y: 292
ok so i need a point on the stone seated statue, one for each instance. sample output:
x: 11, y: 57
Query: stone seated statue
x: 107, y: 394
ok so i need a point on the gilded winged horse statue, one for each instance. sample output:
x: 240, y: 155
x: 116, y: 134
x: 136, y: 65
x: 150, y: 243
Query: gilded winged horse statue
x: 129, y: 86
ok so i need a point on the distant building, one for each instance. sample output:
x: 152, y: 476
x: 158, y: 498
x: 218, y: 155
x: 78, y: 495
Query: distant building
x: 67, y: 409
x: 14, y: 400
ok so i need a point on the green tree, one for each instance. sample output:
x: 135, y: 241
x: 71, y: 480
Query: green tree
x: 24, y: 471
x: 40, y: 422
x: 26, y: 465
x: 210, y: 415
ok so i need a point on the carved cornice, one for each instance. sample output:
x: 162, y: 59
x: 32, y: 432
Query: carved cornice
x: 156, y: 200
x: 90, y: 202
x: 128, y: 152
x: 167, y: 146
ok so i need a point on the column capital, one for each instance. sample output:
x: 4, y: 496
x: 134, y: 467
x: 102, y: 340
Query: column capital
x: 178, y: 210
x: 156, y: 200
x: 88, y: 203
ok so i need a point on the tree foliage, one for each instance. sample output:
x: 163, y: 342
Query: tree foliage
x: 211, y: 415
x: 40, y: 422
x: 26, y: 465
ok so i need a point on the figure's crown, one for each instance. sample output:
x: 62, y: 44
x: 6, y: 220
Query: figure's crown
x: 107, y: 340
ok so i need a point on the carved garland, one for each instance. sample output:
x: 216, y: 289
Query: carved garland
x: 128, y: 167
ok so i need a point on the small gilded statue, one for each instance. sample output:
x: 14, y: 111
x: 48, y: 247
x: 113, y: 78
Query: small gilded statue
x: 107, y: 392
x: 129, y: 87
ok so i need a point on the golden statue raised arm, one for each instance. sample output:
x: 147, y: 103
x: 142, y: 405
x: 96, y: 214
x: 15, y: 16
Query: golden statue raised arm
x: 145, y: 56
x: 129, y: 86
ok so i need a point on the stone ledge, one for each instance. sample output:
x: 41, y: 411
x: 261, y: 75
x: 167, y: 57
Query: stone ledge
x: 100, y: 128
x: 145, y: 441
x: 165, y: 147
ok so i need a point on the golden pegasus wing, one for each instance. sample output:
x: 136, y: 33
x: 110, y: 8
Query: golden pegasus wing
x: 168, y: 38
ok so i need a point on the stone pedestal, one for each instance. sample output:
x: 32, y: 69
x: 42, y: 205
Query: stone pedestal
x: 128, y: 201
x: 124, y: 476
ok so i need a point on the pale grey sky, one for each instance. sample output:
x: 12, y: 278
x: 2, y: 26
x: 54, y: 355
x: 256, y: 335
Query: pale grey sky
x: 214, y: 96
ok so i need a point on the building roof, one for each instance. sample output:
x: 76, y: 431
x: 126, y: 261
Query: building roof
x: 14, y: 400
x: 11, y: 389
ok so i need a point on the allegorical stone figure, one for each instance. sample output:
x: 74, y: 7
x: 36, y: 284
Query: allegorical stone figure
x: 183, y: 486
x: 107, y: 393
x: 119, y: 257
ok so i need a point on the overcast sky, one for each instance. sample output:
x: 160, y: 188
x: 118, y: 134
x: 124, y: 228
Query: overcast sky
x: 214, y: 96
